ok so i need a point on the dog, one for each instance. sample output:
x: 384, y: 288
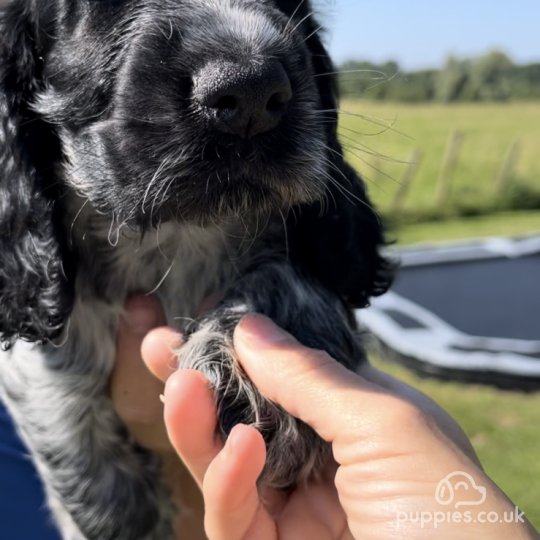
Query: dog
x: 180, y: 148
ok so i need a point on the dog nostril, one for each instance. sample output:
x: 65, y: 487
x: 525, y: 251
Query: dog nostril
x: 226, y: 103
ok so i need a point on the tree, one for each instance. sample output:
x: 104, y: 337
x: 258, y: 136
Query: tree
x: 452, y: 80
x: 491, y: 77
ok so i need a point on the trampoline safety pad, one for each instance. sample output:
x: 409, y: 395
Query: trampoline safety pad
x: 467, y: 311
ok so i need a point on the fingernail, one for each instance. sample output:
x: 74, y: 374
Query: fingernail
x: 230, y: 443
x: 259, y: 331
x: 233, y: 440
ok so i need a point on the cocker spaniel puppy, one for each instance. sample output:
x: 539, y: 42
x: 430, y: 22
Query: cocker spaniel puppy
x: 179, y: 147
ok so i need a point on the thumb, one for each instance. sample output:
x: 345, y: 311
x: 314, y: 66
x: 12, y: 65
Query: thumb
x: 307, y: 383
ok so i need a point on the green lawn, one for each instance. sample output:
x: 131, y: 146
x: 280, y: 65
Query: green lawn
x: 504, y: 426
x: 380, y: 137
x: 500, y: 224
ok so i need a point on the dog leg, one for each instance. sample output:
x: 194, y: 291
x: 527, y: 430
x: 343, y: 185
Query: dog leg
x: 309, y: 312
x: 100, y: 484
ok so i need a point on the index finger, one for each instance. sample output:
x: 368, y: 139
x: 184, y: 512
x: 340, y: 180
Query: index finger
x: 308, y: 383
x: 190, y: 418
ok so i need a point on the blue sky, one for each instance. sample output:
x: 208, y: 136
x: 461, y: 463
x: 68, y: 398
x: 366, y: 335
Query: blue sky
x: 421, y: 33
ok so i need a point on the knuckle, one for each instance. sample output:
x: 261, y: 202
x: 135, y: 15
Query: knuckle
x: 397, y: 412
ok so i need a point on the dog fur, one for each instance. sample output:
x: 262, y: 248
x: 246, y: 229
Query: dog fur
x: 112, y: 182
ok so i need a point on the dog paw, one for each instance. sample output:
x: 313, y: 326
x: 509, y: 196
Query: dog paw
x: 294, y: 451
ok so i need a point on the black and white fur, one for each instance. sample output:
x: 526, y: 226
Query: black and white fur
x: 113, y: 181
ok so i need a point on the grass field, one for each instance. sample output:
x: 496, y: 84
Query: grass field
x: 503, y: 425
x: 499, y: 224
x: 380, y: 138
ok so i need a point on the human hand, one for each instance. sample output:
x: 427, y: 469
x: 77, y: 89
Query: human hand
x: 135, y: 394
x: 392, y: 447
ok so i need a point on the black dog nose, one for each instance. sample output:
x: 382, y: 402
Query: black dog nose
x: 243, y: 100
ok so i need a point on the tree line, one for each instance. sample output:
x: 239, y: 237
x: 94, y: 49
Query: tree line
x: 490, y: 77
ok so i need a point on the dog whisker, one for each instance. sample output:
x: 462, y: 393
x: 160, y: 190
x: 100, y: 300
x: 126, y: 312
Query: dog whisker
x: 293, y: 15
x: 301, y: 22
x: 311, y: 34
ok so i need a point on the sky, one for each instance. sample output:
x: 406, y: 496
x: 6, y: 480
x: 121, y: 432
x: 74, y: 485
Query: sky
x: 422, y: 33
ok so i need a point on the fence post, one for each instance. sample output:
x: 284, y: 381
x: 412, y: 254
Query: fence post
x: 449, y: 163
x: 508, y: 167
x: 406, y: 180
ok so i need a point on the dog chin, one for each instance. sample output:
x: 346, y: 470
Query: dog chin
x: 221, y: 197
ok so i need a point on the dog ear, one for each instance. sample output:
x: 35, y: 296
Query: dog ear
x: 35, y: 291
x: 339, y: 240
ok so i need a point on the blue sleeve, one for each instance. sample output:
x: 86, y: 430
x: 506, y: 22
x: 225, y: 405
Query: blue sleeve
x: 23, y: 514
